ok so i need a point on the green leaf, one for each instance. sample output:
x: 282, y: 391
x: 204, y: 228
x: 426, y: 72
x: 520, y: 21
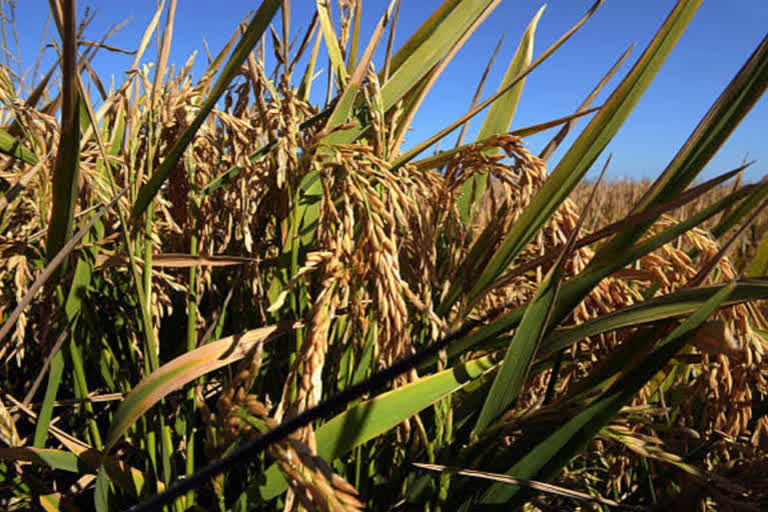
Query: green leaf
x: 532, y: 484
x: 346, y: 102
x: 713, y: 130
x: 500, y: 114
x: 101, y: 493
x: 734, y: 216
x: 547, y: 457
x: 681, y: 303
x: 759, y: 265
x: 55, y: 459
x: 534, y: 325
x: 406, y: 72
x: 355, y: 42
x: 581, y: 155
x: 184, y: 369
x: 331, y: 41
x: 66, y: 174
x: 66, y: 170
x: 55, y: 374
x: 550, y: 148
x: 502, y: 111
x: 11, y: 146
x: 521, y: 350
x: 442, y: 158
x: 412, y: 153
x: 573, y: 291
x: 55, y: 502
x: 376, y: 416
x: 306, y: 82
x: 420, y: 35
x: 253, y: 32
x: 124, y: 476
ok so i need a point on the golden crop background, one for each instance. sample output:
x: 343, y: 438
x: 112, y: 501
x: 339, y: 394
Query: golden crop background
x: 614, y: 200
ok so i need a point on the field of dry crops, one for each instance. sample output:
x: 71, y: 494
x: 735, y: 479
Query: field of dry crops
x: 218, y: 295
x: 614, y: 200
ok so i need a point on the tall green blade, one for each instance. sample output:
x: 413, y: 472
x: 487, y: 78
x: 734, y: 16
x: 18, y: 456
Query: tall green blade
x: 11, y: 146
x: 713, y: 130
x: 547, y: 457
x: 406, y: 75
x: 331, y: 41
x: 442, y: 158
x: 345, y: 104
x: 510, y: 378
x: 582, y: 154
x: 55, y: 374
x: 550, y: 148
x: 573, y: 291
x: 500, y: 114
x: 419, y: 148
x: 255, y: 29
x: 679, y: 304
x: 533, y: 327
x: 758, y: 267
x: 420, y: 35
x: 373, y: 417
x: 66, y: 170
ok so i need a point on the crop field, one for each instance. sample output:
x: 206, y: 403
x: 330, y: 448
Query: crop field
x: 614, y: 200
x: 218, y: 295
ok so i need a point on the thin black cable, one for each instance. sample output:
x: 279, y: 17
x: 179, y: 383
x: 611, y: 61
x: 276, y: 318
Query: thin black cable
x: 250, y: 449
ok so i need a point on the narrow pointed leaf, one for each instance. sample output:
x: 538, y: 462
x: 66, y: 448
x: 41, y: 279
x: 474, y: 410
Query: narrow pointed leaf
x: 419, y: 148
x: 10, y: 146
x: 734, y: 216
x: 55, y: 376
x: 101, y: 493
x: 534, y: 325
x: 500, y: 115
x: 406, y: 75
x: 531, y: 484
x: 331, y: 41
x: 736, y: 100
x: 178, y: 260
x: 373, y: 417
x: 442, y: 158
x: 55, y: 459
x: 759, y: 265
x: 550, y: 148
x: 583, y: 153
x: 344, y: 106
x: 547, y: 457
x: 66, y: 170
x: 255, y: 29
x: 573, y: 291
x: 510, y: 378
x: 420, y: 35
x: 184, y: 369
x: 126, y: 477
x: 679, y: 304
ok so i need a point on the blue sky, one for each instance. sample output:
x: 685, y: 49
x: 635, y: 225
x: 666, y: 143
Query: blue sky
x: 720, y: 38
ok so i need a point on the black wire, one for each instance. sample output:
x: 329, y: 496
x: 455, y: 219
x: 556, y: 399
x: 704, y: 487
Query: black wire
x: 250, y: 449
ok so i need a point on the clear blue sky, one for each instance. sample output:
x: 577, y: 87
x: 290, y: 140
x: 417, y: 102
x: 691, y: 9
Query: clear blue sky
x: 720, y: 38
